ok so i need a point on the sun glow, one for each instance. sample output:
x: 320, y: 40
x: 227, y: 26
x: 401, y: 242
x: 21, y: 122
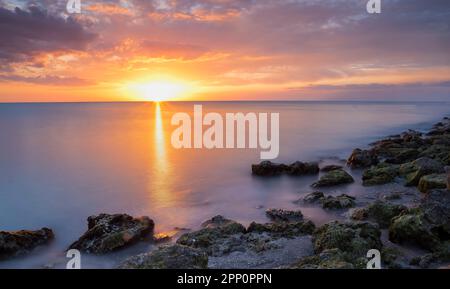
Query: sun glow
x: 158, y: 90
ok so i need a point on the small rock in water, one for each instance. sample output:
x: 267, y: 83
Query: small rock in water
x: 333, y: 178
x: 108, y: 233
x: 267, y: 168
x: 21, y: 242
x: 415, y: 170
x: 340, y: 202
x: 284, y: 215
x: 380, y: 174
x: 313, y: 197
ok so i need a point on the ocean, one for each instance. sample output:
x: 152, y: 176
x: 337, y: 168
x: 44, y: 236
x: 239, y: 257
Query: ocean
x: 62, y: 162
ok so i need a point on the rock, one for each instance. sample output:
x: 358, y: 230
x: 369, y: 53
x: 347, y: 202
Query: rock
x: 362, y: 159
x: 214, y: 237
x: 330, y: 168
x: 283, y: 229
x: 352, y: 238
x: 433, y: 181
x: 380, y: 212
x: 393, y: 196
x: 380, y: 174
x: 440, y: 255
x: 313, y: 197
x: 301, y: 168
x: 168, y: 257
x: 333, y: 178
x: 267, y: 168
x: 21, y: 242
x: 414, y: 170
x: 280, y: 215
x: 108, y: 233
x: 402, y: 155
x: 440, y: 153
x: 340, y: 202
x: 328, y: 259
x: 412, y: 228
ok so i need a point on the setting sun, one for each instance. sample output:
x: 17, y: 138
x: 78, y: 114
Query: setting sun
x: 157, y: 90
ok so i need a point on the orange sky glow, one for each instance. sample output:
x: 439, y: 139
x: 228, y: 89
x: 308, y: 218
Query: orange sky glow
x: 135, y: 50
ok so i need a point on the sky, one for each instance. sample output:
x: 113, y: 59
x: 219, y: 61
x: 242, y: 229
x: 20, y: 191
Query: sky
x: 127, y: 50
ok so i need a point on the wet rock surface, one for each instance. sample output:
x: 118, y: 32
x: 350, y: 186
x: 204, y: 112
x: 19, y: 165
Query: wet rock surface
x: 267, y: 168
x: 168, y: 257
x: 362, y: 159
x: 380, y: 174
x: 433, y: 181
x: 107, y: 233
x: 16, y: 243
x: 284, y: 215
x: 334, y: 178
x: 380, y: 212
x: 342, y: 201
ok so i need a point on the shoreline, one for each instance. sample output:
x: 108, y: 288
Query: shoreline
x: 281, y: 231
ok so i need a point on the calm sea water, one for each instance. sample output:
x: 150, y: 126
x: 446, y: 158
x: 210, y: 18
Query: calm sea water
x: 60, y: 163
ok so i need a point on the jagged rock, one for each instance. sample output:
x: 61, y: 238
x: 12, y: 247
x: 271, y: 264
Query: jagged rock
x: 328, y: 259
x: 433, y: 181
x: 362, y: 159
x: 340, y: 202
x: 427, y: 225
x: 380, y: 212
x: 414, y: 170
x: 108, y: 233
x: 313, y: 197
x: 352, y: 238
x: 440, y: 255
x: 283, y: 229
x: 333, y: 178
x: 380, y: 174
x: 330, y: 168
x: 402, y: 155
x: 21, y: 242
x: 302, y: 168
x: 168, y: 257
x: 267, y: 168
x: 438, y: 152
x: 280, y: 215
x: 212, y: 236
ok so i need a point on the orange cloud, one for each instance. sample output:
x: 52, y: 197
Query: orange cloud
x: 109, y: 9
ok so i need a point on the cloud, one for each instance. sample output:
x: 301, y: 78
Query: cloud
x: 25, y: 33
x: 48, y: 80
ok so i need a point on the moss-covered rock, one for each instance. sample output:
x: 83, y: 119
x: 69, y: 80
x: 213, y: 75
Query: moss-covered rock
x: 284, y: 229
x: 168, y: 257
x: 279, y: 215
x: 339, y: 202
x: 381, y: 212
x: 108, y: 233
x: 328, y: 259
x: 415, y: 170
x: 212, y: 233
x: 313, y: 197
x: 21, y: 242
x: 413, y: 228
x: 380, y: 174
x: 433, y: 181
x: 333, y: 178
x: 352, y: 238
x: 362, y: 158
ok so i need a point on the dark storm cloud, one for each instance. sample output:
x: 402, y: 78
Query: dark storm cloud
x: 24, y: 33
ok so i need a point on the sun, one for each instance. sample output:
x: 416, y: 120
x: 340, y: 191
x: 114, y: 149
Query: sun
x: 157, y: 90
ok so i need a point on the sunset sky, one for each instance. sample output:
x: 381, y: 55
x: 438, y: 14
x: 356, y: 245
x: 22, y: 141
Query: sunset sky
x: 122, y: 50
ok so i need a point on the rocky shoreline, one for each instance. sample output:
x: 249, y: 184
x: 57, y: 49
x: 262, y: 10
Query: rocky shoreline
x: 418, y: 161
